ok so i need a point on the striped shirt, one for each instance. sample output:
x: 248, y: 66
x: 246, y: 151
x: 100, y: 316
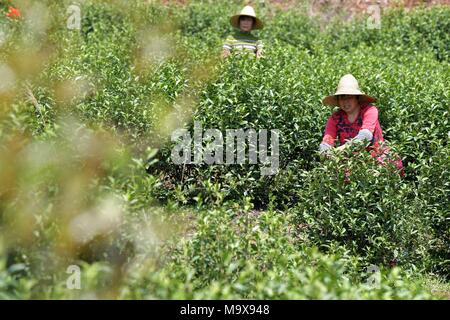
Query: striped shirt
x: 242, y: 42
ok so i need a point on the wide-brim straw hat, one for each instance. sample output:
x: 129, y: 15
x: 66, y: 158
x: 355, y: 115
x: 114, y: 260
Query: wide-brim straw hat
x: 249, y: 12
x: 348, y: 85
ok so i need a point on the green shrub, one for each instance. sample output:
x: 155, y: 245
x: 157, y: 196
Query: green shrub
x: 434, y: 190
x: 371, y: 212
x: 262, y: 255
x: 421, y: 29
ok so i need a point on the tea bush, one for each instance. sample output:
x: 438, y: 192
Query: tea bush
x: 417, y: 30
x: 257, y: 255
x: 434, y: 189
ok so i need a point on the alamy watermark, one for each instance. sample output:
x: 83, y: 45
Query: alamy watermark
x: 73, y: 282
x: 208, y: 147
x: 374, y: 279
x: 74, y: 17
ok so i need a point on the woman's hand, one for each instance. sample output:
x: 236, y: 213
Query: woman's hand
x: 324, y: 155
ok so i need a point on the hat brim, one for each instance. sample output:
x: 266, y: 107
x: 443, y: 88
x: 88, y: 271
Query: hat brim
x: 234, y: 20
x: 333, y: 99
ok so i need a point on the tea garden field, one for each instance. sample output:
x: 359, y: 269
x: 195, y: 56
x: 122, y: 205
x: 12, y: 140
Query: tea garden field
x: 88, y: 188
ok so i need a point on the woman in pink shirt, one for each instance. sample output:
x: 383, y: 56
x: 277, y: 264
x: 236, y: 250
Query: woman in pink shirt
x: 356, y: 120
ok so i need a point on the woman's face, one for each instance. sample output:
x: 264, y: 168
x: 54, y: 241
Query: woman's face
x: 246, y: 23
x: 348, y: 103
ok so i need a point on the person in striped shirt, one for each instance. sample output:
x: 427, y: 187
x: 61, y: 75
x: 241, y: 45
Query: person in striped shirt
x: 243, y: 41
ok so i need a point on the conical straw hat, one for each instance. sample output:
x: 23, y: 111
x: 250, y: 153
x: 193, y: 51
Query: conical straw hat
x: 348, y: 85
x: 247, y: 11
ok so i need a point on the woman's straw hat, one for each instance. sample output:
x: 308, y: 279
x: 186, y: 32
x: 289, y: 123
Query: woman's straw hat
x: 247, y: 11
x: 348, y: 85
